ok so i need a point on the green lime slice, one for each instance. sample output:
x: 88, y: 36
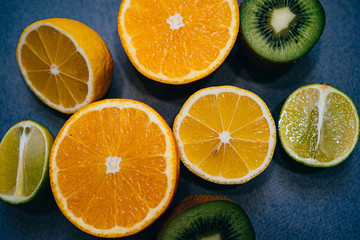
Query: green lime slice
x: 319, y: 125
x: 24, y: 161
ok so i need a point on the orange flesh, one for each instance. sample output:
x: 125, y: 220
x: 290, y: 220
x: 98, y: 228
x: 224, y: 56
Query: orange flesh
x: 192, y: 45
x: 123, y: 198
x: 46, y: 47
x: 242, y: 118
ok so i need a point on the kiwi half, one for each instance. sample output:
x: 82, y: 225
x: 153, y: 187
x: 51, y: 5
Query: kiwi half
x: 280, y: 31
x: 207, y: 217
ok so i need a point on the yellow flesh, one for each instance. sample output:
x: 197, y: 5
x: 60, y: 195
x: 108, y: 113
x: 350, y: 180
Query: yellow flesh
x: 227, y: 114
x: 319, y: 128
x: 55, y: 67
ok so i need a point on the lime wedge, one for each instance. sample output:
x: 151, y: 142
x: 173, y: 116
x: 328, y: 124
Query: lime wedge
x: 24, y: 161
x: 319, y: 125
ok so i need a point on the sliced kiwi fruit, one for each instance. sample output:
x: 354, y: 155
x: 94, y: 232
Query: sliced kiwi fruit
x: 207, y: 217
x: 280, y: 31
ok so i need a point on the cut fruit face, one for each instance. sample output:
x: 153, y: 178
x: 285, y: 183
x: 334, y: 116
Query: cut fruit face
x: 225, y: 134
x: 319, y: 125
x: 114, y: 167
x: 178, y: 42
x: 281, y: 31
x: 24, y: 158
x: 57, y: 67
x: 208, y: 220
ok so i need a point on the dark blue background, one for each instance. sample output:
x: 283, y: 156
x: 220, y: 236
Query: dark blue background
x: 286, y: 201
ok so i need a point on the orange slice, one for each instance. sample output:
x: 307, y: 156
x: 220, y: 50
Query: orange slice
x: 225, y: 134
x: 65, y: 63
x: 178, y: 42
x: 114, y: 167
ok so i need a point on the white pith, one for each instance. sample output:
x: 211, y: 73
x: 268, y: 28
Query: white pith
x: 223, y: 136
x: 324, y: 91
x: 281, y: 18
x: 62, y: 201
x: 19, y: 188
x: 321, y: 106
x: 112, y: 164
x: 26, y: 124
x: 54, y: 69
x: 193, y: 74
x: 175, y: 21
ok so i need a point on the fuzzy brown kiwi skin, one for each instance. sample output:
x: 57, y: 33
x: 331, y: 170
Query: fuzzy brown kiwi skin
x: 261, y: 62
x: 187, y: 203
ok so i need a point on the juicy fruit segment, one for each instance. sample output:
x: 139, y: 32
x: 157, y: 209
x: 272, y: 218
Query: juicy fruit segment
x: 60, y: 74
x: 319, y: 125
x: 24, y: 153
x: 177, y: 42
x: 225, y: 134
x: 211, y: 220
x: 281, y: 31
x: 56, y: 64
x: 114, y: 168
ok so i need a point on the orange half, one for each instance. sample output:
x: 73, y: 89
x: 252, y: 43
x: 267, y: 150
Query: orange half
x: 114, y: 167
x: 178, y: 42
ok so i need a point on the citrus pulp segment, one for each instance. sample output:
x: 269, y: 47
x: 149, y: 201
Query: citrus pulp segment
x: 114, y: 167
x: 319, y: 125
x: 24, y: 158
x: 177, y: 42
x: 225, y: 134
x: 65, y: 63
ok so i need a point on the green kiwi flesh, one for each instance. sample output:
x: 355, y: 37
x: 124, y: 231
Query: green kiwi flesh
x: 281, y: 30
x: 212, y: 220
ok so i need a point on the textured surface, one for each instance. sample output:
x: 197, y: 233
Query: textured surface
x: 286, y: 201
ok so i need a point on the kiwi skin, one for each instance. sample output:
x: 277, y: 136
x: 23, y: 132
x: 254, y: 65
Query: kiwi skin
x: 261, y: 62
x: 187, y: 203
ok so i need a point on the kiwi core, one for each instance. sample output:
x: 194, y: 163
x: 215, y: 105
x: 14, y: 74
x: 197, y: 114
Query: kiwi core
x: 175, y: 21
x: 113, y: 164
x: 281, y: 18
x: 213, y: 237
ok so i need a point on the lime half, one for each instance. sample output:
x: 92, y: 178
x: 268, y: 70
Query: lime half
x: 24, y: 161
x: 319, y: 125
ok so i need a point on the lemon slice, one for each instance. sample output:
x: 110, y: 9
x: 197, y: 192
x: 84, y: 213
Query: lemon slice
x: 225, y: 134
x: 319, y: 125
x: 24, y: 161
x: 65, y: 63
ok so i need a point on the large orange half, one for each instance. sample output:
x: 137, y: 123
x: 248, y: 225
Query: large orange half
x: 114, y: 167
x: 178, y: 41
